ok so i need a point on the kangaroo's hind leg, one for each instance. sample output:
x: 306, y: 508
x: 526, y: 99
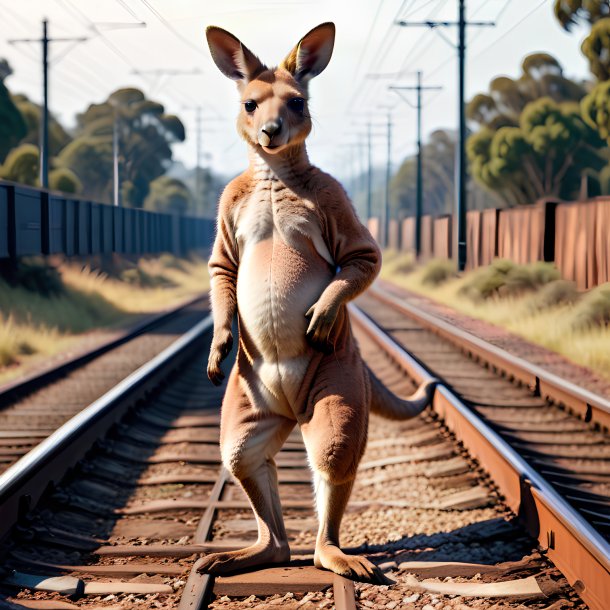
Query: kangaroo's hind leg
x: 334, y: 430
x: 249, y: 439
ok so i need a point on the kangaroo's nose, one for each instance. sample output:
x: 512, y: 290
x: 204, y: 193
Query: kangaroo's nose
x: 271, y: 128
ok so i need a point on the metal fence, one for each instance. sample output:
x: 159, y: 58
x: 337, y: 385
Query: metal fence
x: 38, y: 222
x: 574, y: 235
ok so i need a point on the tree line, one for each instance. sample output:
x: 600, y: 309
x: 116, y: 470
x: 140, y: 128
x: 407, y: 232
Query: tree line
x: 539, y: 135
x: 81, y: 158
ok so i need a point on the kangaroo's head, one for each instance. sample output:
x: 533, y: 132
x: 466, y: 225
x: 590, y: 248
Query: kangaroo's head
x: 274, y: 113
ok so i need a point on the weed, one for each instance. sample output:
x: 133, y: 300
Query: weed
x: 437, y: 272
x: 593, y: 310
x: 554, y: 294
x: 504, y: 278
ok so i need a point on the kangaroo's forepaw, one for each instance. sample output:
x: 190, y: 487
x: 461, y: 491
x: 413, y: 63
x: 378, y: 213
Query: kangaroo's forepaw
x: 354, y: 567
x: 242, y: 559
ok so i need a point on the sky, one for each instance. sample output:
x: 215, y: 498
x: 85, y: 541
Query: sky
x: 371, y: 53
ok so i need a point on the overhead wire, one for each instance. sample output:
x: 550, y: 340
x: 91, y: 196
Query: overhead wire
x: 359, y: 87
x: 128, y: 9
x: 424, y: 35
x: 172, y: 29
x: 368, y: 38
x: 513, y: 27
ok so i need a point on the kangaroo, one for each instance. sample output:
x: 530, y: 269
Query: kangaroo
x: 289, y: 254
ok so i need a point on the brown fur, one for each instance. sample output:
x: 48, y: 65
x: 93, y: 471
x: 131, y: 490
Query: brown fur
x: 289, y: 255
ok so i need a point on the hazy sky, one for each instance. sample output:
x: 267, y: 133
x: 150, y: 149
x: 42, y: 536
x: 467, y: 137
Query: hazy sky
x: 343, y: 96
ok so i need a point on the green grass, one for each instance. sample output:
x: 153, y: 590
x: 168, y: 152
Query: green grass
x: 54, y: 308
x: 528, y: 300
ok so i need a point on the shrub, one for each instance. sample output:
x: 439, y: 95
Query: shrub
x: 138, y: 277
x: 169, y: 261
x: 65, y: 181
x: 34, y: 276
x: 593, y: 309
x: 554, y: 294
x: 21, y: 165
x: 505, y: 278
x: 437, y: 272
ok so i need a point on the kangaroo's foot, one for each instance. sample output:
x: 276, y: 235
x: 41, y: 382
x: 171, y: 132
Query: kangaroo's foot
x: 354, y: 567
x: 242, y: 559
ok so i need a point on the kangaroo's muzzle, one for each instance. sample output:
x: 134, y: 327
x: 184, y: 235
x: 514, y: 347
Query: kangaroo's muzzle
x: 268, y: 131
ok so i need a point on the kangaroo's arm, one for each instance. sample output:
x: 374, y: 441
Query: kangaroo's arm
x: 222, y: 266
x: 355, y: 253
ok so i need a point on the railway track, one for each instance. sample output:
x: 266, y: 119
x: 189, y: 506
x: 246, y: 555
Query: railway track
x: 544, y: 440
x: 125, y: 496
x: 32, y: 408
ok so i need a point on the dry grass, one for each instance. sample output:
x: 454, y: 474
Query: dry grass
x: 548, y: 313
x: 152, y: 285
x: 34, y: 326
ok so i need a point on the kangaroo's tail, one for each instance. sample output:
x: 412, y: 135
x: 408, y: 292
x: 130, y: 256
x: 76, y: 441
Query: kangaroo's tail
x: 388, y: 405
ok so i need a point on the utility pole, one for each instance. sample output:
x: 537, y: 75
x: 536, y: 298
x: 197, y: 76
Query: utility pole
x: 44, y: 132
x: 461, y: 203
x: 385, y: 221
x: 420, y: 187
x: 369, y: 182
x: 388, y: 174
x: 200, y: 195
x: 44, y: 111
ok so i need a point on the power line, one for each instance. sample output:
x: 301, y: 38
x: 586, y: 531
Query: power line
x: 513, y: 27
x: 368, y: 38
x: 359, y: 89
x: 422, y: 38
x: 172, y: 29
x: 128, y: 9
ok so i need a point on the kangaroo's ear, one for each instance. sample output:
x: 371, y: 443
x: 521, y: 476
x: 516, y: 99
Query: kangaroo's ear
x: 233, y: 58
x: 312, y: 53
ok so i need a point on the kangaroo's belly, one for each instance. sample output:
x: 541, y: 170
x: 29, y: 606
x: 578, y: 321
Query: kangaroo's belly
x: 276, y: 285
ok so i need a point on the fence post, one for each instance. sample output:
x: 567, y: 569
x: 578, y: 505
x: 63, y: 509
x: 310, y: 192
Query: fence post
x: 549, y: 230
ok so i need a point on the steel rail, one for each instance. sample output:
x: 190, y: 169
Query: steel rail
x: 24, y: 483
x: 12, y: 391
x: 577, y: 550
x: 591, y: 406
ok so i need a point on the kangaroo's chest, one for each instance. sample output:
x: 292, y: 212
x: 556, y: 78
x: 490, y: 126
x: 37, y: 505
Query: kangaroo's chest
x: 274, y: 213
x: 284, y: 265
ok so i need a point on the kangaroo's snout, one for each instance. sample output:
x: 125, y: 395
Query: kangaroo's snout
x: 268, y: 130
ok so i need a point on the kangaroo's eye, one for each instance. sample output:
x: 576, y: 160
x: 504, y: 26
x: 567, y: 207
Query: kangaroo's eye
x: 250, y: 105
x: 297, y: 104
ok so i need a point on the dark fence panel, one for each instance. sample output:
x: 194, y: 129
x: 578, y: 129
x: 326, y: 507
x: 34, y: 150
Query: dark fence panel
x: 107, y: 230
x: 83, y: 231
x: 128, y: 230
x: 38, y: 222
x: 118, y: 227
x: 96, y: 228
x: 4, y: 222
x: 27, y: 214
x: 71, y: 227
x: 54, y: 224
